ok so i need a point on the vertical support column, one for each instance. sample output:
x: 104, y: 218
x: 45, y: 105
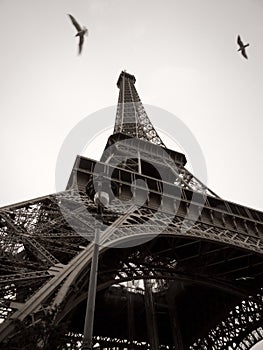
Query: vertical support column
x: 177, y: 336
x: 130, y: 315
x: 90, y: 309
x: 139, y: 162
x: 172, y: 300
x: 151, y: 316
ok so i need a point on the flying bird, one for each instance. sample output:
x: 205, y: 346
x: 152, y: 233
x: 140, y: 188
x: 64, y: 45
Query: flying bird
x: 81, y: 32
x: 242, y: 47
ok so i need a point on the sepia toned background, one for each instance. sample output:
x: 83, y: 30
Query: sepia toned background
x: 184, y: 56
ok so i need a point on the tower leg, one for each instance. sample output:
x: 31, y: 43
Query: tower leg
x: 130, y: 315
x: 151, y: 316
x: 177, y: 336
x: 89, y: 318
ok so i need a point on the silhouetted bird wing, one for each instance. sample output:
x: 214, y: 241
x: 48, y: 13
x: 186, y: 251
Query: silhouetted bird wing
x: 81, y: 41
x: 244, y: 53
x: 239, y: 41
x: 75, y: 23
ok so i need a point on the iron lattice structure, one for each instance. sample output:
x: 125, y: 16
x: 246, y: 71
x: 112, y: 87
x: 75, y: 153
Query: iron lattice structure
x: 192, y: 281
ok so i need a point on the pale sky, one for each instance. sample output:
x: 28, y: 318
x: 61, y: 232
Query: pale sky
x: 184, y: 57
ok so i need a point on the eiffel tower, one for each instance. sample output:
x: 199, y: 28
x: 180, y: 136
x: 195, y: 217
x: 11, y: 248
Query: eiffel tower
x: 179, y: 267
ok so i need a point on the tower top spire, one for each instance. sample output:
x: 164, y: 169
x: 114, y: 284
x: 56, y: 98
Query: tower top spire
x: 126, y: 75
x: 131, y: 117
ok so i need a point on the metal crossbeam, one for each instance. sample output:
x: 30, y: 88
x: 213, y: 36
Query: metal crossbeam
x: 239, y: 328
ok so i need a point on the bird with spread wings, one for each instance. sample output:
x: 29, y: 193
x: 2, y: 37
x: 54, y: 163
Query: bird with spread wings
x: 242, y: 47
x: 81, y: 32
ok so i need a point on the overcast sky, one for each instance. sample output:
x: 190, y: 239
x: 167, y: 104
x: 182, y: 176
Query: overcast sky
x: 184, y: 57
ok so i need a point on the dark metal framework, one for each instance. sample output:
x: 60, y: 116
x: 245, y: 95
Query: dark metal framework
x: 199, y: 288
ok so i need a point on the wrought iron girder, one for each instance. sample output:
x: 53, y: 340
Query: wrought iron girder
x: 113, y: 343
x: 9, y: 279
x: 134, y: 268
x: 187, y: 180
x: 251, y: 339
x: 15, y: 228
x: 56, y: 245
x: 30, y: 237
x: 149, y: 218
x: 39, y: 250
x: 198, y: 230
x: 243, y: 320
x: 34, y: 303
x: 210, y: 210
x: 144, y: 273
x: 65, y: 276
x: 130, y: 148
